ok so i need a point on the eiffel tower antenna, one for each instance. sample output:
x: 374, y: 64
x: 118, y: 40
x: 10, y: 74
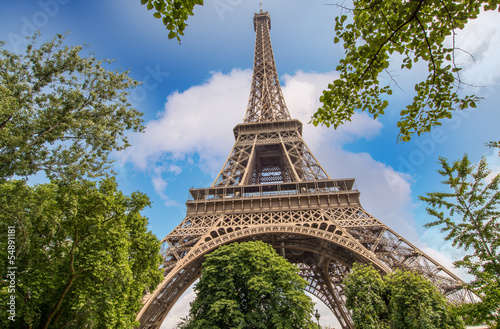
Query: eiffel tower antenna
x: 266, y: 102
x: 273, y: 189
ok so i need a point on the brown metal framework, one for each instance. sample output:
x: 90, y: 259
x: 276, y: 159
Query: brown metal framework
x: 273, y: 189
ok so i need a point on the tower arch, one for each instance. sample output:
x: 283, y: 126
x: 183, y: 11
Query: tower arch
x: 273, y: 189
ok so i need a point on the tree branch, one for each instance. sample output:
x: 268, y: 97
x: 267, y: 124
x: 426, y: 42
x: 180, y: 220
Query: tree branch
x: 424, y: 32
x: 5, y: 122
x: 413, y: 15
x: 71, y: 279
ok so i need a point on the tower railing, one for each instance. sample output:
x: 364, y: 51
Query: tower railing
x: 330, y: 186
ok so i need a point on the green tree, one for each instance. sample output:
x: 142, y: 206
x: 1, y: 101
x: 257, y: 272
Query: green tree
x: 399, y: 300
x: 364, y: 290
x: 469, y: 213
x: 61, y: 113
x: 173, y: 13
x: 248, y: 285
x: 415, y: 303
x: 413, y: 31
x: 83, y: 254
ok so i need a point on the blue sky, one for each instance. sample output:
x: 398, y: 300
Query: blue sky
x: 197, y: 91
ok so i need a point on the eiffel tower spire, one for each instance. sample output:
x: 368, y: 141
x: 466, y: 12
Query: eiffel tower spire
x: 266, y: 102
x: 269, y: 146
x: 273, y: 189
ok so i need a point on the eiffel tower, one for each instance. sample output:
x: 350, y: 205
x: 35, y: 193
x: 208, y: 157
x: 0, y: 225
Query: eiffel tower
x: 273, y: 189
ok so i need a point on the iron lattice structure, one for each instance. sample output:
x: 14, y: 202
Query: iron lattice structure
x: 273, y: 189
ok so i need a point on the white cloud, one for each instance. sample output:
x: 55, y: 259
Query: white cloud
x: 159, y: 185
x: 493, y: 161
x: 481, y: 39
x: 302, y: 92
x: 180, y: 309
x: 198, y: 120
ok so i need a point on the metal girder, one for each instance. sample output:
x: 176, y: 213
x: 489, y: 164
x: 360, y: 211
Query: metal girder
x: 273, y: 189
x: 266, y: 157
x: 266, y: 102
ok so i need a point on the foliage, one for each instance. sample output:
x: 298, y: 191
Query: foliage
x: 469, y: 214
x: 364, y: 290
x: 83, y: 255
x: 416, y: 30
x: 494, y: 144
x: 248, y: 285
x: 60, y: 112
x: 415, y: 303
x: 173, y: 13
x: 400, y: 300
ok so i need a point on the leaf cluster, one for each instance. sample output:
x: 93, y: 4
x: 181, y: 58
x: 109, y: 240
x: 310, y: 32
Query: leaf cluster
x: 173, y: 13
x: 61, y: 113
x: 416, y: 30
x: 469, y: 213
x: 84, y: 255
x: 399, y: 300
x: 494, y: 144
x: 248, y: 285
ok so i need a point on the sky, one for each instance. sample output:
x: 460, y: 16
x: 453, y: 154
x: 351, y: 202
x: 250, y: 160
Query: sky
x: 195, y: 92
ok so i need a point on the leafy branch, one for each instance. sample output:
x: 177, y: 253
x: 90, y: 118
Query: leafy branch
x: 173, y: 13
x: 472, y: 221
x: 379, y: 30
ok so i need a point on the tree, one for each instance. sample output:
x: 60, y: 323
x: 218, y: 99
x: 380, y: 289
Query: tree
x: 83, y: 255
x: 74, y: 253
x: 415, y: 303
x: 399, y: 300
x: 248, y: 285
x: 469, y: 213
x: 61, y: 113
x: 364, y: 290
x: 416, y: 30
x: 173, y: 13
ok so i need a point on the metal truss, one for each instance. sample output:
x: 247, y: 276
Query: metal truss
x: 260, y: 156
x: 324, y: 243
x: 266, y: 102
x: 273, y: 189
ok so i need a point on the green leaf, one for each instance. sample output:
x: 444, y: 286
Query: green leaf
x: 401, y: 32
x: 47, y: 116
x: 172, y: 35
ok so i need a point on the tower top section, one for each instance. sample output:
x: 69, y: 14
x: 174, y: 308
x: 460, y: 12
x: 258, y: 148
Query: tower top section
x: 266, y: 102
x: 264, y: 16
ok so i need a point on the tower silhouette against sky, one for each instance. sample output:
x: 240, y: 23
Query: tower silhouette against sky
x: 273, y: 189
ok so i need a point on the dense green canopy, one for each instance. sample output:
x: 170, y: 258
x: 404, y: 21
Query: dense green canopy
x: 399, y: 300
x: 61, y: 113
x: 248, y: 285
x: 83, y: 254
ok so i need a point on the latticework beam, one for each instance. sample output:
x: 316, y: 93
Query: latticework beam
x: 266, y: 102
x: 273, y: 189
